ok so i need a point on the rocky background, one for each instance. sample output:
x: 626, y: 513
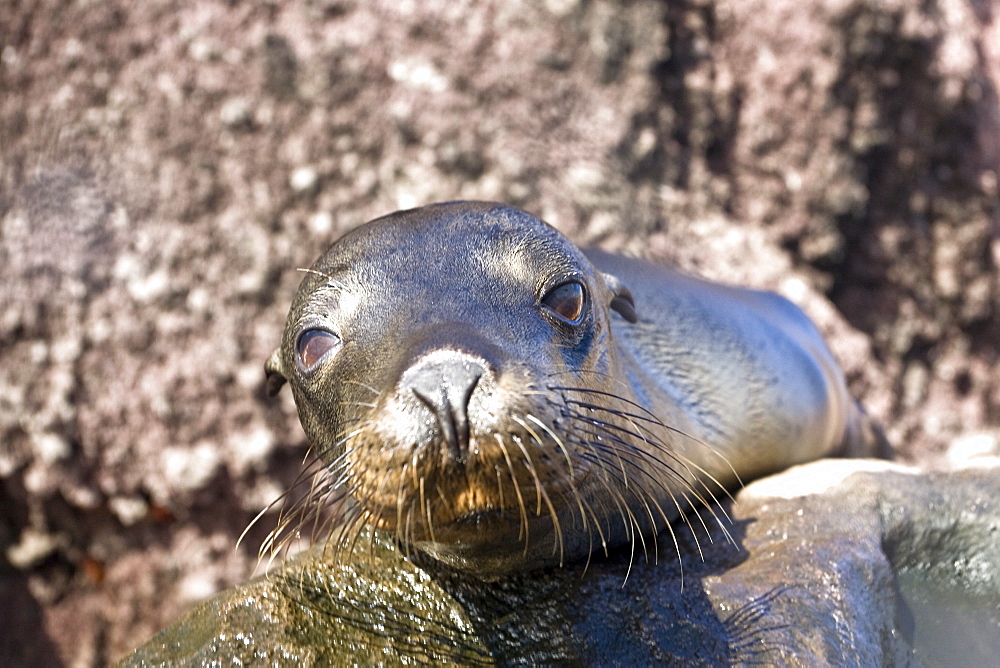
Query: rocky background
x: 166, y: 166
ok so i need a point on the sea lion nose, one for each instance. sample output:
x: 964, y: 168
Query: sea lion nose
x: 444, y: 381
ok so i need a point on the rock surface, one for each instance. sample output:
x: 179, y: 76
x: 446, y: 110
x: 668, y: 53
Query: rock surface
x: 809, y: 577
x: 165, y: 166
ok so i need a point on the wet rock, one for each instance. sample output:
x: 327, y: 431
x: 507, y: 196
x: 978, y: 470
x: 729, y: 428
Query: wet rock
x: 808, y: 572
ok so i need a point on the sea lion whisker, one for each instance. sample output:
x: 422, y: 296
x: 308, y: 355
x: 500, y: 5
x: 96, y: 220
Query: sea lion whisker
x: 712, y: 506
x: 523, y: 530
x: 410, y: 530
x: 691, y: 464
x: 632, y: 530
x: 346, y: 530
x: 318, y: 518
x: 343, y: 546
x: 631, y: 556
x: 716, y: 506
x: 305, y: 457
x: 623, y: 510
x: 636, y: 419
x: 682, y: 513
x: 496, y: 469
x: 595, y: 422
x: 289, y: 528
x: 400, y: 502
x: 289, y: 516
x: 688, y: 485
x: 256, y: 519
x: 595, y: 521
x: 591, y: 454
x: 542, y: 494
x: 314, y: 483
x: 611, y: 430
x: 575, y: 372
x: 441, y: 494
x: 600, y: 531
x: 643, y: 496
x: 648, y: 417
x: 285, y: 510
x: 323, y: 493
x: 677, y: 550
x: 334, y: 283
x: 414, y: 468
x: 570, y: 474
x: 687, y: 522
x: 630, y: 449
x: 652, y: 418
x: 372, y: 534
x: 643, y: 499
x: 713, y: 510
x: 353, y: 434
x: 593, y: 372
x: 278, y: 536
x: 326, y: 527
x: 319, y: 454
x: 701, y: 521
x: 340, y: 467
x: 354, y: 403
x: 639, y: 489
x: 558, y: 441
x: 626, y: 448
x: 354, y: 381
x: 427, y: 509
x: 327, y: 496
x: 270, y: 560
x: 632, y: 417
x: 377, y: 515
x: 530, y: 466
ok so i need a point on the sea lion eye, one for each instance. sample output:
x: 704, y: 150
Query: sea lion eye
x: 566, y: 301
x: 313, y: 345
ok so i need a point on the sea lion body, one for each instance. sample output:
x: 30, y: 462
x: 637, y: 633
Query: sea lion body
x: 746, y: 369
x: 500, y: 400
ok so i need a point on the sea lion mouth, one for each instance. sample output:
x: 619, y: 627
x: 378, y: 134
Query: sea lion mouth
x: 489, y: 490
x: 480, y: 518
x: 458, y: 524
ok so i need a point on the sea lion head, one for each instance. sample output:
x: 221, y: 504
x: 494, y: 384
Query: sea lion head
x: 451, y: 364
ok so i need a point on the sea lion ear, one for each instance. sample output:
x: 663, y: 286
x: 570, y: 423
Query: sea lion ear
x: 274, y: 372
x: 621, y: 298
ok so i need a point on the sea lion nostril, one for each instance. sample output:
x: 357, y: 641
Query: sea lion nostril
x: 444, y: 383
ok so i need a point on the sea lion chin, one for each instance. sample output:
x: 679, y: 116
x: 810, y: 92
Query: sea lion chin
x: 498, y: 399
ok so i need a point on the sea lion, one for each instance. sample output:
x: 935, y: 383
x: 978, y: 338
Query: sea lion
x: 500, y: 400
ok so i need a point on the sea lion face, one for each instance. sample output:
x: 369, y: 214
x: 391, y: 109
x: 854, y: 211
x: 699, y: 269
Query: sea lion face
x: 436, y: 357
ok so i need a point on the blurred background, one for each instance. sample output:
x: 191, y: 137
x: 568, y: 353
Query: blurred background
x: 166, y: 166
